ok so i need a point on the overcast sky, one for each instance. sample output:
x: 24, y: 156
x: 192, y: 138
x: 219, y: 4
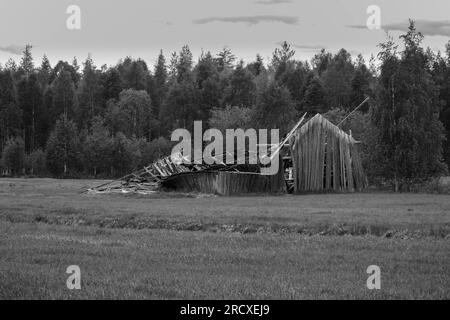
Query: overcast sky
x: 111, y: 30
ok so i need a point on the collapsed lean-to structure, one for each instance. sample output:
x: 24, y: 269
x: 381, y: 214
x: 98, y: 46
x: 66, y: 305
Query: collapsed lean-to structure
x: 316, y: 157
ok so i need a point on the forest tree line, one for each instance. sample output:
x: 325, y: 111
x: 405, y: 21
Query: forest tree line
x: 72, y: 120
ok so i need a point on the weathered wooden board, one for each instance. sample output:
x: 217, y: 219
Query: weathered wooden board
x: 325, y: 159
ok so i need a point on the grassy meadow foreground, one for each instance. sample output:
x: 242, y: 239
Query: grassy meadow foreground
x: 167, y: 246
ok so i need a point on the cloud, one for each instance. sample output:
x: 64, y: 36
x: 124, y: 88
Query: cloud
x: 266, y: 2
x: 426, y: 27
x: 12, y: 48
x: 305, y: 47
x: 250, y: 20
x: 357, y: 26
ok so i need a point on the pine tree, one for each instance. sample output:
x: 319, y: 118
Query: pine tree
x: 208, y: 85
x: 225, y: 59
x: 321, y: 61
x: 161, y: 70
x: 29, y: 99
x: 184, y: 65
x: 441, y: 76
x: 133, y: 73
x: 112, y: 85
x: 314, y: 101
x: 26, y: 64
x: 65, y: 66
x: 44, y: 72
x: 11, y: 65
x: 180, y: 109
x: 410, y: 133
x: 241, y: 90
x: 274, y: 109
x: 63, y: 95
x: 75, y: 72
x: 160, y: 76
x: 10, y: 113
x: 282, y: 59
x: 360, y: 84
x: 256, y: 67
x: 89, y: 97
x: 337, y: 80
x: 295, y: 78
x: 172, y: 69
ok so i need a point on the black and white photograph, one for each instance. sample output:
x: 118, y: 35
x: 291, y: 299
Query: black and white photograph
x: 227, y: 155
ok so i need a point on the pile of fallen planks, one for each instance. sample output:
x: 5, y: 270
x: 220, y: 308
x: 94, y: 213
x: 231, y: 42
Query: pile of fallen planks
x: 148, y: 179
x: 152, y: 177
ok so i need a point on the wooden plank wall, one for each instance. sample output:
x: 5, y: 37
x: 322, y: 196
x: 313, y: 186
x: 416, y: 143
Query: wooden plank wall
x: 227, y: 182
x: 325, y: 159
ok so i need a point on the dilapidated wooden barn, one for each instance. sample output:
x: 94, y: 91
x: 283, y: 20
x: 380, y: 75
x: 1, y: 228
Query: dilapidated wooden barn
x: 325, y: 158
x: 320, y: 157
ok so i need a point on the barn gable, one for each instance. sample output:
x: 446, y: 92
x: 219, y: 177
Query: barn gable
x: 325, y: 158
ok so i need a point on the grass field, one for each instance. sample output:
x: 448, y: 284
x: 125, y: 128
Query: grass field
x: 167, y: 246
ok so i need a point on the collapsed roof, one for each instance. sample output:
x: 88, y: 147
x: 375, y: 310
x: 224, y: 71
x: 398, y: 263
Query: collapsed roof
x: 324, y: 158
